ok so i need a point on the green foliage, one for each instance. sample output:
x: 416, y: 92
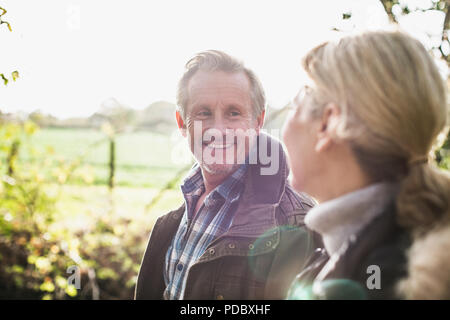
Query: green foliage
x: 442, y: 154
x: 39, y: 238
x: 14, y: 77
x: 29, y: 257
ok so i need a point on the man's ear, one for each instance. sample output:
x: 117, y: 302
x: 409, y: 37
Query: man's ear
x: 180, y: 123
x: 260, y: 120
x: 330, y: 118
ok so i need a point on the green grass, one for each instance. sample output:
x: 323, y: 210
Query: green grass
x: 79, y: 206
x: 67, y: 143
x: 143, y: 168
x: 143, y: 159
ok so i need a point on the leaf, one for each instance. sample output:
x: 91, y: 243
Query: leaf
x: 47, y: 286
x: 15, y: 75
x: 17, y: 269
x: 5, y: 80
x: 30, y: 127
x: 61, y: 282
x: 346, y: 15
x: 43, y: 264
x: 71, y: 290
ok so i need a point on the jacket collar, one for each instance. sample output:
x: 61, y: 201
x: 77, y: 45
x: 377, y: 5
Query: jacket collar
x: 262, y: 192
x: 255, y: 222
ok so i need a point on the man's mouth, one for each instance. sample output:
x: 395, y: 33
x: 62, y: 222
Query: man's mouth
x: 214, y: 145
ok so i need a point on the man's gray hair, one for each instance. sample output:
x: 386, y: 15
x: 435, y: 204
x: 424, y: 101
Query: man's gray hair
x: 214, y: 60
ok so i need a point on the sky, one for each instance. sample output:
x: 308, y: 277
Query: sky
x: 73, y: 55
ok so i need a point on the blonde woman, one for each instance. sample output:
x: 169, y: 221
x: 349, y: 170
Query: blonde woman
x: 358, y: 141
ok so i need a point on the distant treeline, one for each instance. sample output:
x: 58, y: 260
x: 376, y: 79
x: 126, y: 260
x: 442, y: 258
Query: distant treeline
x: 158, y: 116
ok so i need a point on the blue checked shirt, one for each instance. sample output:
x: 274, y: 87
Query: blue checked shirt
x: 197, y: 231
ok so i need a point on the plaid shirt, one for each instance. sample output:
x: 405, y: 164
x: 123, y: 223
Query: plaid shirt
x: 197, y: 231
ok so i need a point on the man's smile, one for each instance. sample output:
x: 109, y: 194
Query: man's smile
x: 214, y: 145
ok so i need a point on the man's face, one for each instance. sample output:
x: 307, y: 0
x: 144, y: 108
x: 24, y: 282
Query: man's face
x: 218, y: 116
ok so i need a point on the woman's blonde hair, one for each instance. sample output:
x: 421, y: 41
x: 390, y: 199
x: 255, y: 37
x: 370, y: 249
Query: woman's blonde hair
x: 393, y: 106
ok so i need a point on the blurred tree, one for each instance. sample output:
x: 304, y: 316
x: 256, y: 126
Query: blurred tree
x: 439, y: 48
x: 120, y: 117
x: 395, y: 9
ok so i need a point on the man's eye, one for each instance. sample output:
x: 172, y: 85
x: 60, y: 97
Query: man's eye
x: 234, y: 113
x: 204, y: 113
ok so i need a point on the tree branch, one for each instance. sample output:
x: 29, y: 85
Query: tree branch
x: 388, y: 4
x: 2, y: 21
x: 446, y: 25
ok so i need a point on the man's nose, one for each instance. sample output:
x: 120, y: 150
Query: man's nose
x: 220, y: 124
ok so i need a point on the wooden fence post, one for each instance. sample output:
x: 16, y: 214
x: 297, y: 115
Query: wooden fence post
x: 112, y: 162
x: 12, y: 156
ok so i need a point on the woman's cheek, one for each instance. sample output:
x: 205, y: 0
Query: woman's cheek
x: 287, y: 135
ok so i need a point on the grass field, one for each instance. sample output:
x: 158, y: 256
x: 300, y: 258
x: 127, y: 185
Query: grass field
x: 79, y: 205
x: 144, y: 165
x: 143, y: 159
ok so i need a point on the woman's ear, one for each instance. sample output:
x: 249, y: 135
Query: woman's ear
x: 328, y: 123
x: 180, y: 123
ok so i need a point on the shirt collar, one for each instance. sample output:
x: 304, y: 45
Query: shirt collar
x: 235, y: 179
x: 193, y: 184
x: 338, y: 219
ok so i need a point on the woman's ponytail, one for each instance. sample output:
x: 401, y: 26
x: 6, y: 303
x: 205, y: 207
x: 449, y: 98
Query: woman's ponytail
x: 424, y: 199
x: 423, y: 208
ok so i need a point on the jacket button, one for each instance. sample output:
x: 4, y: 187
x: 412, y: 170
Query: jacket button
x: 251, y: 246
x: 212, y: 251
x: 220, y: 297
x: 231, y: 246
x: 268, y: 243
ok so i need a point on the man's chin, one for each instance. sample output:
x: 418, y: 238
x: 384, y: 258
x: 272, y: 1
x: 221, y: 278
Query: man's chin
x: 220, y: 169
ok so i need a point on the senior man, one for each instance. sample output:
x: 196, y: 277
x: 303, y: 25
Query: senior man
x: 239, y: 233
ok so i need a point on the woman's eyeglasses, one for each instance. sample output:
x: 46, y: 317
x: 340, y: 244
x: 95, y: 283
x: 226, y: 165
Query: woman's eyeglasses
x: 298, y: 100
